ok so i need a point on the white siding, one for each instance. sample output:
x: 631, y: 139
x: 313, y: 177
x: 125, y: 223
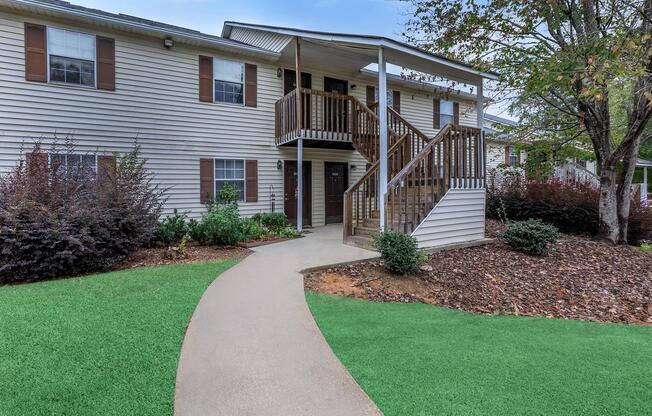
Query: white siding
x: 267, y: 40
x: 156, y: 103
x: 459, y: 217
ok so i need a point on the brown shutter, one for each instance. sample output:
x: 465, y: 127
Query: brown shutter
x: 251, y: 180
x: 105, y: 50
x: 36, y: 67
x: 251, y: 85
x: 106, y: 166
x: 436, y: 123
x: 507, y: 155
x: 456, y: 114
x: 206, y: 79
x: 206, y: 180
x: 371, y: 95
x: 396, y: 101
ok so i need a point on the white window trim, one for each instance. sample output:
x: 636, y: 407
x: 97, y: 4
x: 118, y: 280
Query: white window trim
x: 69, y: 154
x: 65, y: 84
x: 244, y: 84
x: 244, y: 178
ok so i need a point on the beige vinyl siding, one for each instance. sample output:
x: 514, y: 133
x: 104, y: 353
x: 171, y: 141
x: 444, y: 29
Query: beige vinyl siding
x: 156, y: 103
x: 459, y: 217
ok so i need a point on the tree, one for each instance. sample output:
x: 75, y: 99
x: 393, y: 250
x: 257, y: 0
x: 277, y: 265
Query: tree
x: 560, y: 60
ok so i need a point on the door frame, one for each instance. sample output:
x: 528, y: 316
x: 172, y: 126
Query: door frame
x: 346, y: 186
x: 307, y: 198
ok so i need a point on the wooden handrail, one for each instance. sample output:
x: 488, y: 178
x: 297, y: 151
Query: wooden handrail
x: 453, y: 159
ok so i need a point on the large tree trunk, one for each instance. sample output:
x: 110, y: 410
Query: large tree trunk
x: 608, y: 205
x: 625, y: 190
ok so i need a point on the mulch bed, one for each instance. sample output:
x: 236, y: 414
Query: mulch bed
x: 580, y: 279
x: 158, y: 256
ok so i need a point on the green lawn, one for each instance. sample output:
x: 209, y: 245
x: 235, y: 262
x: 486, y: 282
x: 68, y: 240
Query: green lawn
x: 106, y: 344
x: 415, y: 359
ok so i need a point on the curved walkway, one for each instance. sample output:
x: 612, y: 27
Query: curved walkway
x: 252, y: 346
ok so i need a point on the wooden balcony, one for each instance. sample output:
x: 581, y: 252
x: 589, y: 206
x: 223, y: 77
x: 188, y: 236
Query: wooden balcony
x: 327, y: 120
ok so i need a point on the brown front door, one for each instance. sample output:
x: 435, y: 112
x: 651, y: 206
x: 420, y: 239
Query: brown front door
x: 290, y: 189
x: 335, y: 111
x: 290, y: 83
x: 336, y: 182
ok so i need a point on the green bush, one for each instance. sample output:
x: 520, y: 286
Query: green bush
x: 171, y: 230
x: 250, y: 230
x: 196, y: 230
x: 228, y: 194
x: 531, y: 236
x: 287, y: 232
x: 273, y: 221
x: 221, y: 225
x: 399, y: 251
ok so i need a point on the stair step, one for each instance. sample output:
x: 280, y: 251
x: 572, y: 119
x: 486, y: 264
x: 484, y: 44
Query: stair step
x: 371, y: 223
x: 366, y: 231
x: 361, y: 241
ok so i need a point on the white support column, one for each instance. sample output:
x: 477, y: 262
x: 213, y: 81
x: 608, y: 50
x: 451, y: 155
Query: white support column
x: 297, y: 67
x: 479, y: 109
x: 382, y: 115
x: 300, y: 185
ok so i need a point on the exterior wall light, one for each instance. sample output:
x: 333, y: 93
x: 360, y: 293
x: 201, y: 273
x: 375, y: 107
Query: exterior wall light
x: 279, y: 72
x: 279, y: 165
x: 168, y: 43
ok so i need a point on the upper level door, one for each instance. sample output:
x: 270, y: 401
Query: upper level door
x: 336, y: 113
x: 290, y: 83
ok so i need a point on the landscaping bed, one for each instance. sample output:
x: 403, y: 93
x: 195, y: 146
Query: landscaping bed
x: 579, y: 279
x: 195, y: 253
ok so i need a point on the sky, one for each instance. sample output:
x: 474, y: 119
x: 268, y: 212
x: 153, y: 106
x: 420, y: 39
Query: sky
x: 374, y: 17
x: 370, y: 17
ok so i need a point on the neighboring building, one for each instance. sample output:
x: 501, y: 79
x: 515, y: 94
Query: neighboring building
x: 208, y: 110
x: 501, y: 151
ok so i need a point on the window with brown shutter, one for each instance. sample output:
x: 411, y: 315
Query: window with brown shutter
x: 106, y: 167
x: 206, y: 79
x: 396, y: 101
x: 371, y: 95
x: 105, y: 50
x: 251, y: 180
x: 436, y: 113
x: 206, y: 181
x: 456, y: 114
x: 35, y: 53
x: 36, y: 162
x: 251, y: 85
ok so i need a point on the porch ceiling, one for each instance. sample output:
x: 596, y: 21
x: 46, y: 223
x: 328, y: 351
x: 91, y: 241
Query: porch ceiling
x: 350, y: 53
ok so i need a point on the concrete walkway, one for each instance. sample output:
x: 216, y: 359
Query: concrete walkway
x: 253, y: 348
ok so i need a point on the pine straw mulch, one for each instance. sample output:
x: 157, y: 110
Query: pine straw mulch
x: 580, y: 279
x: 159, y: 256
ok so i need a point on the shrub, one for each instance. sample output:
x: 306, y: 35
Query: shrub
x: 228, y: 194
x: 530, y: 237
x: 196, y: 231
x: 273, y: 221
x: 399, y: 251
x: 172, y: 229
x: 287, y: 232
x: 571, y: 207
x: 250, y: 230
x: 56, y: 222
x: 221, y: 225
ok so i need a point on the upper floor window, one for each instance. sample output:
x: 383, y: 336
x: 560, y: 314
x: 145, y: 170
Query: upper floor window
x: 390, y: 97
x: 446, y: 113
x: 71, y: 57
x: 229, y: 81
x: 232, y: 172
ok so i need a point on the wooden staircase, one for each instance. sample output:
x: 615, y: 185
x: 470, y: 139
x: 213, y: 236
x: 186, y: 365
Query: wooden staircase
x: 420, y: 172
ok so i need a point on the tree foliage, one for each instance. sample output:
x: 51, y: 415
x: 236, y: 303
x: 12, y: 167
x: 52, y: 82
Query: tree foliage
x: 561, y: 61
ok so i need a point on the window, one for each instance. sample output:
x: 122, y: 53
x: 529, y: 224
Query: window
x: 65, y: 162
x: 71, y: 57
x: 446, y: 113
x: 513, y: 156
x: 229, y: 81
x: 390, y: 97
x: 230, y: 171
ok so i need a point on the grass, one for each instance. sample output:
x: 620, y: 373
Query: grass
x: 647, y: 248
x: 105, y: 344
x: 415, y: 359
